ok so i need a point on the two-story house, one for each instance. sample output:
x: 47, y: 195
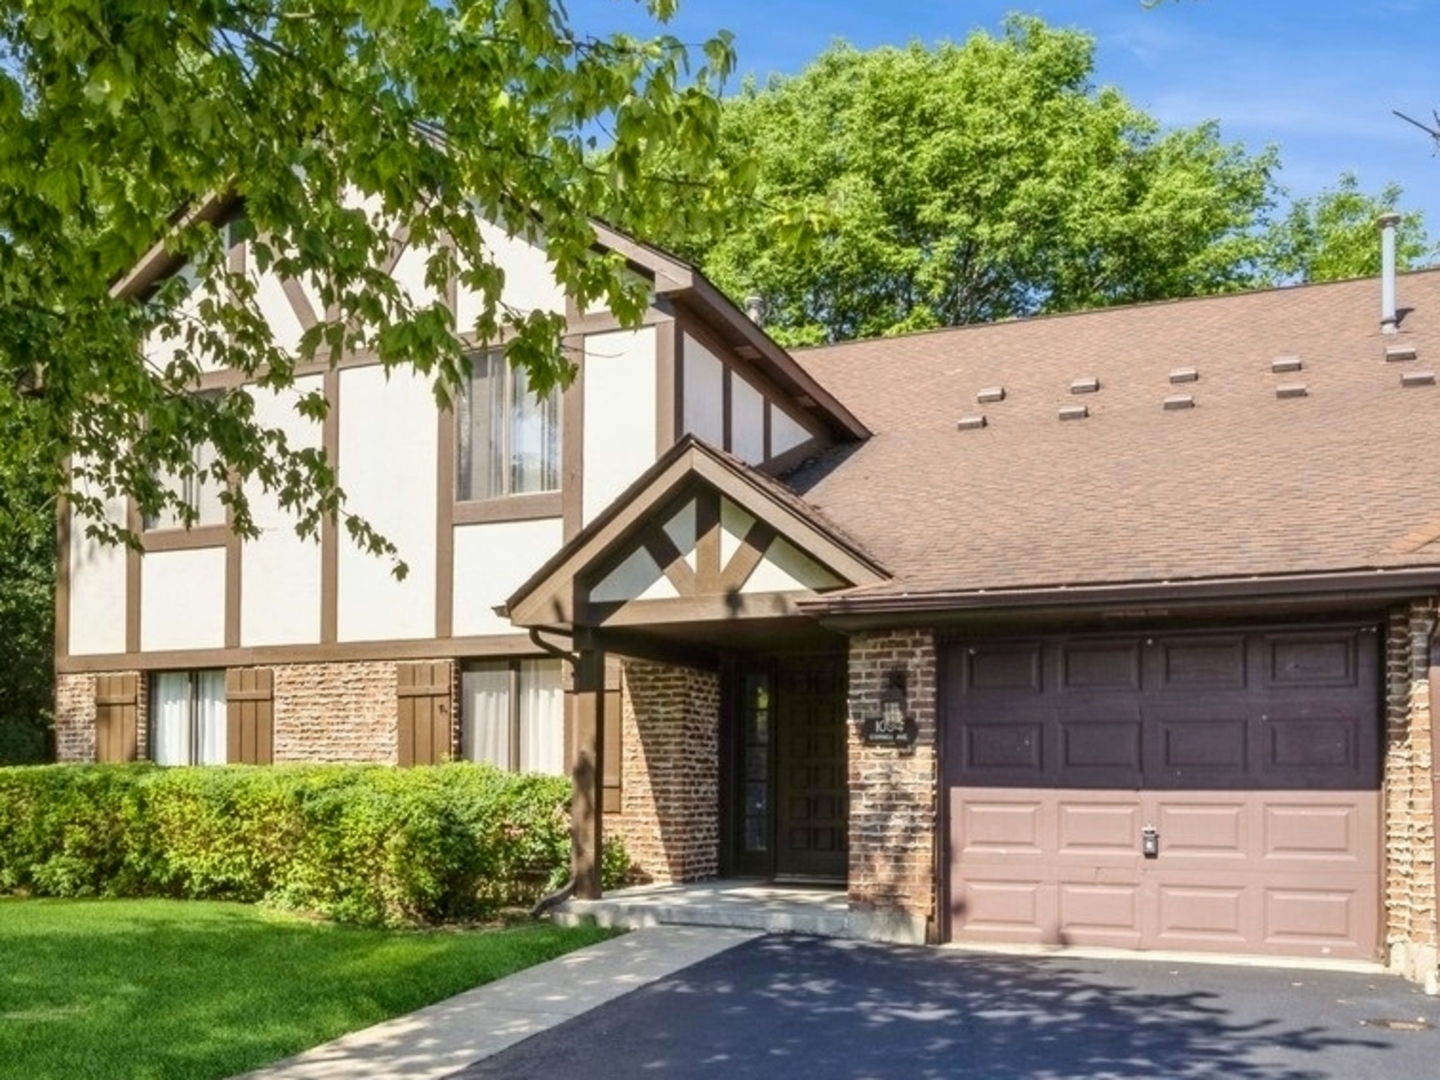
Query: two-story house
x: 1111, y: 628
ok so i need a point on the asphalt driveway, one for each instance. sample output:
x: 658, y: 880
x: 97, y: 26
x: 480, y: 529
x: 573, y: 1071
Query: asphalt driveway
x: 798, y: 1007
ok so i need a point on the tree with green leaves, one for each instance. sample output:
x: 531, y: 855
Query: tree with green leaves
x: 1332, y: 235
x: 977, y: 181
x: 336, y: 121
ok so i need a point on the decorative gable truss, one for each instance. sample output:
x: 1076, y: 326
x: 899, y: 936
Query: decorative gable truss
x: 698, y: 538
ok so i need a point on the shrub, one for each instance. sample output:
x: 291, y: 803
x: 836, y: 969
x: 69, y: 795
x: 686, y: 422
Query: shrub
x: 363, y: 844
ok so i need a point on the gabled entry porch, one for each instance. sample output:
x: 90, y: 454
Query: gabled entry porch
x: 733, y: 703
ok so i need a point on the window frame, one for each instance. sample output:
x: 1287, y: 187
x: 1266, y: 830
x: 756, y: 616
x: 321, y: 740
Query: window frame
x: 508, y: 505
x: 513, y: 668
x: 193, y: 718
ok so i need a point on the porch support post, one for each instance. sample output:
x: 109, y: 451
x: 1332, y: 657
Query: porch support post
x: 587, y: 703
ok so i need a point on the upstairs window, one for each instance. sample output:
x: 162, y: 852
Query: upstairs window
x: 508, y: 440
x: 199, y: 490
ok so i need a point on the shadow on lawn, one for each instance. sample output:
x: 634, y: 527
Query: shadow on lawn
x: 800, y: 1007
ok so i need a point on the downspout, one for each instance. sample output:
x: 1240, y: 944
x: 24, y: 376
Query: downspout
x: 558, y: 896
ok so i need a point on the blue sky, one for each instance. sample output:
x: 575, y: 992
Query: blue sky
x: 1317, y: 79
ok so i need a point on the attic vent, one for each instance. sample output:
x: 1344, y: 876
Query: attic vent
x: 970, y: 423
x: 1394, y: 353
x: 1289, y: 390
x: 1184, y: 374
x: 1074, y: 412
x: 1282, y: 364
x: 1418, y: 378
x: 1088, y: 385
x: 1179, y: 401
x: 990, y: 394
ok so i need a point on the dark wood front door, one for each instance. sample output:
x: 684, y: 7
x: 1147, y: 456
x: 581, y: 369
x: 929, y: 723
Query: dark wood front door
x: 789, y: 821
x: 810, y: 801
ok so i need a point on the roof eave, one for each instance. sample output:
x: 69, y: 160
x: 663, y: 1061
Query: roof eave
x: 857, y: 610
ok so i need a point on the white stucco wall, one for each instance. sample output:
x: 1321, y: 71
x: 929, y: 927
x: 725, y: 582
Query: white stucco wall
x: 183, y: 599
x: 619, y: 440
x: 97, y: 589
x: 703, y: 412
x: 280, y: 572
x: 493, y: 560
x: 387, y: 466
x: 747, y: 422
x: 529, y: 283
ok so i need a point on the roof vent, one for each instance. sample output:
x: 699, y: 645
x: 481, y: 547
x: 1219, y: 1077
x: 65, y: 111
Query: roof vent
x: 1282, y: 364
x: 970, y: 423
x: 1289, y: 390
x: 1389, y: 315
x: 1088, y: 385
x: 1074, y: 412
x: 1179, y: 401
x: 990, y: 394
x: 1184, y: 374
x: 1394, y: 353
x: 1418, y: 378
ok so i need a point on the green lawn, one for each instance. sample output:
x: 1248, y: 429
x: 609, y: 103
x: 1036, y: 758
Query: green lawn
x: 189, y: 990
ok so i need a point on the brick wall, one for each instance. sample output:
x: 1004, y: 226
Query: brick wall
x: 893, y: 793
x: 75, y: 718
x: 1410, y: 901
x: 670, y: 795
x: 336, y: 712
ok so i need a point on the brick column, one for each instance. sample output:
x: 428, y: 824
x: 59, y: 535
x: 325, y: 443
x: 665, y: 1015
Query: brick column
x: 670, y: 793
x: 893, y: 794
x: 1409, y: 794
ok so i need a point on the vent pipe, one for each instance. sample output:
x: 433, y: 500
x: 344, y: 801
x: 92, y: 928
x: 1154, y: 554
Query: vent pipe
x: 1389, y: 318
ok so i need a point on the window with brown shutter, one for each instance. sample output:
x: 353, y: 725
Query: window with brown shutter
x: 250, y: 716
x: 117, y: 708
x: 424, y: 690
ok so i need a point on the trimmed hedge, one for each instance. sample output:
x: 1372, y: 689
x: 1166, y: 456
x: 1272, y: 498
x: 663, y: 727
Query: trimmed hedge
x: 363, y: 844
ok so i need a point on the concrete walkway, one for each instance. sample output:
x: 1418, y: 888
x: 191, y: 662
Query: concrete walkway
x: 447, y: 1036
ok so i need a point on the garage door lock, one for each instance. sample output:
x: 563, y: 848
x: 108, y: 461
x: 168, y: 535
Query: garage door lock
x: 1150, y: 842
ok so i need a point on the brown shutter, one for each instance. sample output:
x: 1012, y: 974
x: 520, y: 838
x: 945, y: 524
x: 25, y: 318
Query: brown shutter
x: 424, y: 691
x: 614, y: 746
x: 250, y: 716
x: 117, y: 707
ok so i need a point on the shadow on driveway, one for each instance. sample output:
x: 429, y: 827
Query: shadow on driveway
x: 797, y: 1007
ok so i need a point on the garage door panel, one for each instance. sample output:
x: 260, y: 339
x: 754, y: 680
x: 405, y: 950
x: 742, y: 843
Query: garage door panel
x: 1100, y: 914
x: 1092, y: 830
x: 1297, y: 661
x: 1209, y: 830
x: 1005, y: 752
x: 1255, y: 756
x: 1207, y: 663
x: 1339, y: 832
x: 1328, y: 921
x: 1087, y: 668
x: 1001, y: 827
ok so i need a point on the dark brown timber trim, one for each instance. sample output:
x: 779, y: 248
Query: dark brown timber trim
x: 62, y: 576
x: 666, y: 382
x: 445, y: 523
x: 495, y: 646
x: 707, y: 542
x: 588, y: 723
x: 571, y: 501
x: 742, y: 564
x: 133, y: 563
x: 329, y: 526
x: 234, y: 571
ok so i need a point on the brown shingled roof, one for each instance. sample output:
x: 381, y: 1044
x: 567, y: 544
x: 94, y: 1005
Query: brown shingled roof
x: 1245, y: 483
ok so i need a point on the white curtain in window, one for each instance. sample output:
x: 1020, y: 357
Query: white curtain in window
x: 485, y: 715
x: 204, y: 490
x: 170, y: 718
x: 210, y: 721
x: 534, y: 438
x: 542, y: 717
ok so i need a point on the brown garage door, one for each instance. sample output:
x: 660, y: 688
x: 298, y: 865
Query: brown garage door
x: 1253, y: 757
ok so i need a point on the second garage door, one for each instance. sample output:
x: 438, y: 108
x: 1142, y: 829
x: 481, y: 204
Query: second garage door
x: 1196, y: 791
